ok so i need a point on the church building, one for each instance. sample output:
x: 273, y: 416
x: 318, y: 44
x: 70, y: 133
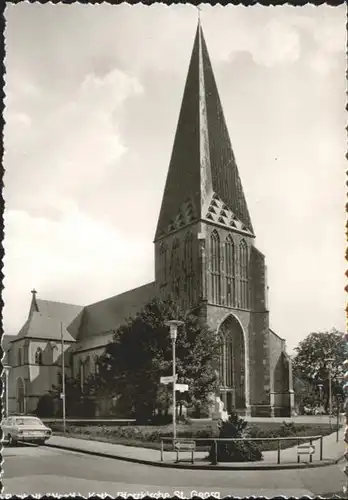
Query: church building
x: 205, y: 257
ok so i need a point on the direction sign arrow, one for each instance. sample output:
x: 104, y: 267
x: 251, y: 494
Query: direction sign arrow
x: 305, y: 449
x: 168, y: 380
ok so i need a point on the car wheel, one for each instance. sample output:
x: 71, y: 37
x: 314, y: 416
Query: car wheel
x: 41, y: 442
x: 11, y: 441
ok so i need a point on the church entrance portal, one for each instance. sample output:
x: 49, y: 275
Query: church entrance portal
x: 232, y: 365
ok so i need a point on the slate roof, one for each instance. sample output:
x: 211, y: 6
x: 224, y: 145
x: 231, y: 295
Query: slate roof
x: 94, y: 342
x: 202, y: 161
x: 274, y: 333
x: 59, y: 310
x: 107, y: 315
x: 39, y: 326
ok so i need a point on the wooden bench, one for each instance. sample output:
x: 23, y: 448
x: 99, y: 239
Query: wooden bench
x: 185, y: 446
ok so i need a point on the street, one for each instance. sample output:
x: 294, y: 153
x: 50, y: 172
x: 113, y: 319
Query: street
x: 44, y: 470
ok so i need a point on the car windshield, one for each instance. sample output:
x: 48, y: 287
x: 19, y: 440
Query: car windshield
x: 28, y: 421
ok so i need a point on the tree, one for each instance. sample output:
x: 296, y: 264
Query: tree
x: 311, y: 361
x: 79, y: 402
x: 141, y: 352
x: 235, y: 451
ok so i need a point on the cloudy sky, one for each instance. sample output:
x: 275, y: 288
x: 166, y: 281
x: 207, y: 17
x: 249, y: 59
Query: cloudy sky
x: 92, y: 99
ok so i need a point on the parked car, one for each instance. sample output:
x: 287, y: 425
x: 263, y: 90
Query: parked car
x: 25, y: 429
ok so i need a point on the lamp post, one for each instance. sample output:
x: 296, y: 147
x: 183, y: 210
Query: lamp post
x: 63, y: 378
x: 339, y: 379
x: 173, y: 326
x: 320, y: 387
x: 329, y: 363
x: 7, y: 369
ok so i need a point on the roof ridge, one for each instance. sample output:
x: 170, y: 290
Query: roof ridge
x: 120, y: 294
x: 58, y: 302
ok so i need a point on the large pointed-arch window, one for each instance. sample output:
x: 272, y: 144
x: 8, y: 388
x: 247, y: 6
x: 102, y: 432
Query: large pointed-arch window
x: 188, y: 259
x: 244, y: 275
x: 215, y: 268
x: 164, y: 263
x: 226, y: 378
x: 175, y: 267
x: 230, y: 272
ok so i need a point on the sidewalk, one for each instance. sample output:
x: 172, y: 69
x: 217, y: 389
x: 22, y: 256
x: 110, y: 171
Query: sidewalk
x: 332, y: 453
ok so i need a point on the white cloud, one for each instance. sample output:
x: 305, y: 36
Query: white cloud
x: 276, y: 43
x: 80, y: 255
x: 70, y: 144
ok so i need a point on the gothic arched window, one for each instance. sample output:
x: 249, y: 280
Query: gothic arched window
x: 163, y: 262
x: 26, y: 352
x: 19, y: 356
x: 87, y: 366
x: 188, y: 260
x: 244, y: 275
x: 38, y: 356
x: 230, y: 272
x: 215, y: 268
x: 175, y: 267
x: 226, y: 378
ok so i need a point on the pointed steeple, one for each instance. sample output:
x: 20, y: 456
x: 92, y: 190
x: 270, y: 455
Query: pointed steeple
x: 202, y: 171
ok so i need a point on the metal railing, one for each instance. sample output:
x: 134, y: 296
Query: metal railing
x: 214, y: 455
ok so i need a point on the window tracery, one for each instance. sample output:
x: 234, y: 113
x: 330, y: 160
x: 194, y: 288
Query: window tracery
x: 188, y: 260
x: 215, y: 268
x: 230, y: 271
x: 244, y: 275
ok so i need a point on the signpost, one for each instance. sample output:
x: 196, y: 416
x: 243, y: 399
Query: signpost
x: 185, y: 446
x: 181, y: 387
x: 168, y: 380
x: 305, y: 449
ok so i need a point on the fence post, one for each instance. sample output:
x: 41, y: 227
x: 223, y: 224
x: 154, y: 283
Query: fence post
x: 278, y: 449
x: 321, y: 447
x: 298, y: 455
x: 161, y: 450
x: 311, y: 455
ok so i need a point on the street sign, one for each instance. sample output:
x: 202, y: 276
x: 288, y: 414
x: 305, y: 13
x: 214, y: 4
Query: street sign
x: 185, y: 445
x: 305, y: 449
x: 168, y: 380
x: 62, y: 395
x: 181, y: 387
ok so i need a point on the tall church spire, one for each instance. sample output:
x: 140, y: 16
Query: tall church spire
x: 203, y: 182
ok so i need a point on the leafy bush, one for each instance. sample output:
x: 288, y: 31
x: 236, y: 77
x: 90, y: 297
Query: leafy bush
x: 235, y: 451
x: 45, y: 407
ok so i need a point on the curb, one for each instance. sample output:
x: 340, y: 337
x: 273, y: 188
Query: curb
x: 304, y: 465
